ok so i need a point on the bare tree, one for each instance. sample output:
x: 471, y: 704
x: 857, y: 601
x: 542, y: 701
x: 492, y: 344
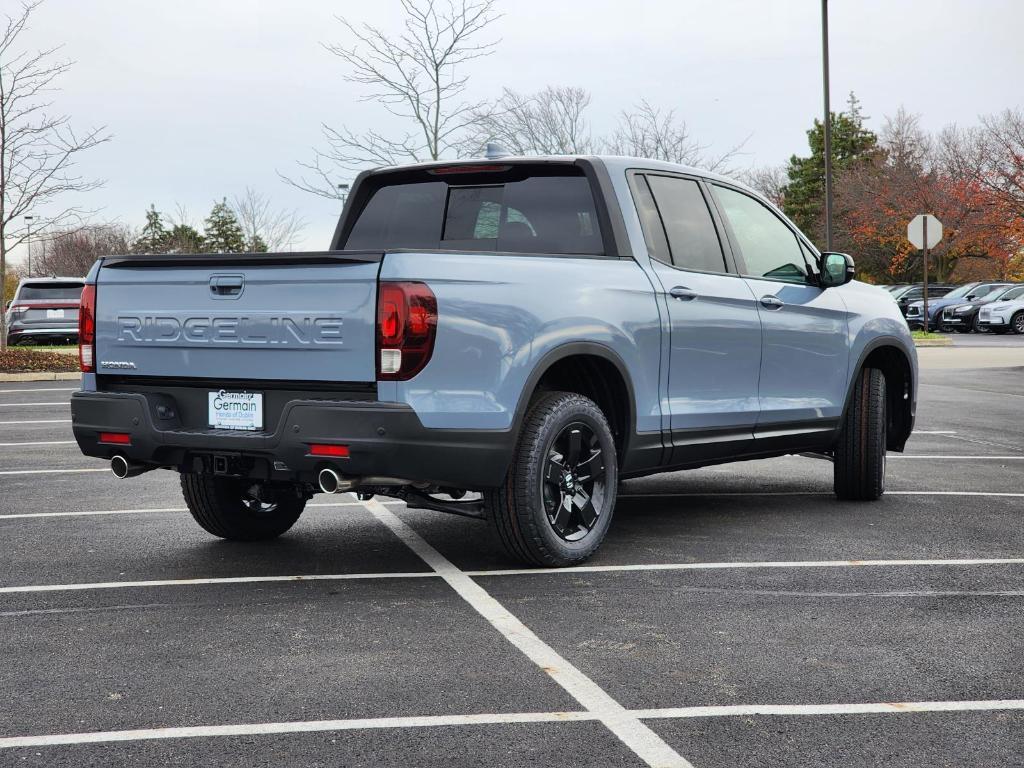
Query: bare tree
x: 417, y: 75
x: 657, y: 134
x: 551, y: 122
x: 770, y: 181
x: 72, y: 253
x: 991, y: 155
x: 262, y: 224
x: 38, y: 149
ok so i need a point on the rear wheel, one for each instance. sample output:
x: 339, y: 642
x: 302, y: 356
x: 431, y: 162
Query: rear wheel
x: 224, y: 507
x: 556, y: 503
x: 859, y: 461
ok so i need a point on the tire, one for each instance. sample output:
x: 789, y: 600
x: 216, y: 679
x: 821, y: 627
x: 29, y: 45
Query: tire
x: 1017, y: 323
x: 221, y: 506
x: 859, y: 461
x: 537, y: 520
x: 976, y: 326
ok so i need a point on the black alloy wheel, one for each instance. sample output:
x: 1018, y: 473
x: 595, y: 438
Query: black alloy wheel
x: 573, y: 481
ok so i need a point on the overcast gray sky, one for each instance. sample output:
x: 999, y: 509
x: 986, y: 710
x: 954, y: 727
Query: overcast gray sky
x: 204, y: 98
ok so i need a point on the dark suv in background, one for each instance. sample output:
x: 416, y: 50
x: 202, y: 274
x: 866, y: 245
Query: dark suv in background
x: 907, y: 294
x: 45, y: 309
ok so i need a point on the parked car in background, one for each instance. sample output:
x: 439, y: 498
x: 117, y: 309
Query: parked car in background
x: 908, y: 294
x: 1005, y: 313
x: 915, y: 310
x: 965, y: 317
x: 45, y: 309
x: 894, y: 289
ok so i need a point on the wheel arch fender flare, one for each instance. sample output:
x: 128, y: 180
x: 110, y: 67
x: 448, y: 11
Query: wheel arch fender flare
x: 577, y: 349
x: 897, y: 345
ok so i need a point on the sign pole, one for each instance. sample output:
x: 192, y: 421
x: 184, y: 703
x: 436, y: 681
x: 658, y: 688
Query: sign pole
x: 925, y: 296
x: 827, y: 126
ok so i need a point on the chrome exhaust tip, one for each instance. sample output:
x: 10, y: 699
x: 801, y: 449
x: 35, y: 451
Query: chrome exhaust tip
x: 122, y: 467
x: 331, y: 482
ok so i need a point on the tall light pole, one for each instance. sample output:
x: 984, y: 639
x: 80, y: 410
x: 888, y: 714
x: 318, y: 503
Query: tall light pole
x: 828, y: 127
x: 28, y: 243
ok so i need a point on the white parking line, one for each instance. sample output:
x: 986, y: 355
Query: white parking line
x: 37, y: 421
x: 709, y: 566
x: 51, y: 471
x: 748, y: 710
x: 442, y: 721
x: 37, y: 442
x: 29, y: 515
x: 218, y: 580
x: 66, y: 403
x: 933, y: 432
x: 306, y: 726
x: 648, y: 745
x: 1018, y: 457
x: 749, y: 565
x: 727, y: 494
x: 41, y: 389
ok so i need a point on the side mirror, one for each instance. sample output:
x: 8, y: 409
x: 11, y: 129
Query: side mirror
x: 836, y: 269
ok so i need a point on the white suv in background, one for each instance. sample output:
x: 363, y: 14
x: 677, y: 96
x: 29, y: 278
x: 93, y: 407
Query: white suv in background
x: 1002, y: 316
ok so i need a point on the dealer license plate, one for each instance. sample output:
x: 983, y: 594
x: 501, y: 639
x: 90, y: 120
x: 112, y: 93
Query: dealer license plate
x: 236, y: 410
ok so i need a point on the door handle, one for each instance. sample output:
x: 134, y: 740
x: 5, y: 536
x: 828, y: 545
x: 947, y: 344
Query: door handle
x: 771, y: 302
x: 682, y: 293
x: 226, y: 286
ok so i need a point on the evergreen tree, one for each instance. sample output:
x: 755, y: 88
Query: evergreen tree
x: 852, y: 145
x: 221, y: 232
x: 184, y: 239
x: 257, y: 245
x: 153, y: 237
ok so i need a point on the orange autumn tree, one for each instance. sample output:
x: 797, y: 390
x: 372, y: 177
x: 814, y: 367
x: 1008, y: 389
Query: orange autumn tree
x: 876, y: 201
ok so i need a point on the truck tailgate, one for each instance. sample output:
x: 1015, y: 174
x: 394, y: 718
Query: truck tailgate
x: 295, y: 317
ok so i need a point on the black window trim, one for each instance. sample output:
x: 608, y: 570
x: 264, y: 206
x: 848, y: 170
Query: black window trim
x: 729, y: 262
x: 740, y: 261
x: 609, y: 214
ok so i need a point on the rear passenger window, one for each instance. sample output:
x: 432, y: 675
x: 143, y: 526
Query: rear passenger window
x: 536, y: 214
x: 692, y: 239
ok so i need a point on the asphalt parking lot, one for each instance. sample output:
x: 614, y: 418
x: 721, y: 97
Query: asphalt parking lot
x: 736, y: 616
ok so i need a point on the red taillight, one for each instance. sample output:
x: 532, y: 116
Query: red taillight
x: 87, y: 330
x: 337, y: 451
x: 115, y: 438
x: 406, y: 326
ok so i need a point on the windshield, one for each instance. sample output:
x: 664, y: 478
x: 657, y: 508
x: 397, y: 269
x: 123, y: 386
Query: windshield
x: 962, y: 291
x: 50, y: 292
x: 1010, y: 293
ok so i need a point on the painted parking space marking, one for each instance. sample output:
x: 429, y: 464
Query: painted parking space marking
x: 41, y: 389
x: 511, y: 718
x: 623, y: 568
x: 52, y: 471
x: 98, y: 585
x: 151, y: 510
x: 727, y: 494
x: 803, y: 710
x: 64, y: 403
x: 37, y: 442
x: 647, y: 745
x: 753, y: 565
x: 1018, y: 457
x: 37, y: 421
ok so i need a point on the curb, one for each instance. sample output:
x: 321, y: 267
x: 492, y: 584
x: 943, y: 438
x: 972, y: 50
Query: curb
x: 933, y: 342
x: 41, y: 376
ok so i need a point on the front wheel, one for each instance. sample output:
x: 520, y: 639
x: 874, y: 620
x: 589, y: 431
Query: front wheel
x: 859, y: 461
x: 556, y: 503
x: 224, y: 507
x: 1017, y: 323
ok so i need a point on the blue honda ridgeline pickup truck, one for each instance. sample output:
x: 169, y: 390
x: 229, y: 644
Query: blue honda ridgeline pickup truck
x: 504, y: 339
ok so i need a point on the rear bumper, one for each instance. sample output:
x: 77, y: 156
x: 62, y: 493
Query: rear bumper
x: 384, y: 440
